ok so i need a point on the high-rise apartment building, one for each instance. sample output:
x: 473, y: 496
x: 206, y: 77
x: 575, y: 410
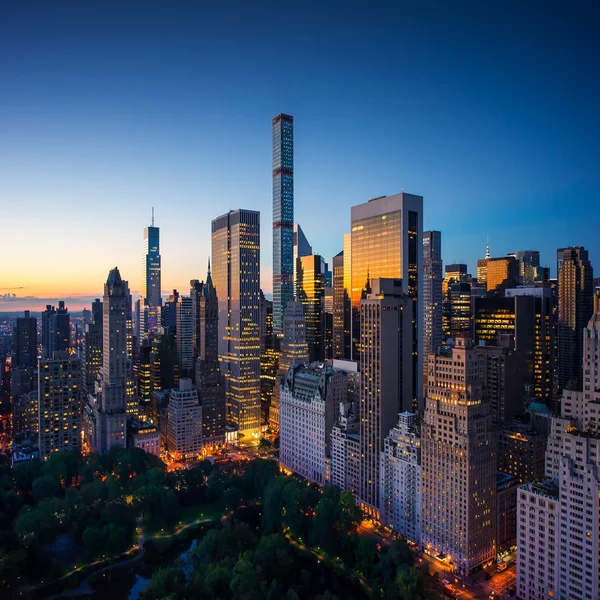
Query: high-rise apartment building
x: 283, y: 216
x: 26, y: 342
x: 91, y: 351
x: 387, y: 242
x: 344, y: 460
x: 59, y: 402
x: 386, y: 376
x: 575, y: 306
x: 184, y: 426
x: 432, y: 293
x: 310, y: 399
x: 341, y: 310
x: 401, y: 479
x: 310, y: 292
x: 458, y: 447
x: 185, y: 334
x: 106, y: 412
x: 151, y: 280
x: 236, y: 276
x: 558, y: 541
x: 294, y: 351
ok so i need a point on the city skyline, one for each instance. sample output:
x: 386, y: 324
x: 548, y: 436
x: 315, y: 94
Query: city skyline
x: 90, y: 143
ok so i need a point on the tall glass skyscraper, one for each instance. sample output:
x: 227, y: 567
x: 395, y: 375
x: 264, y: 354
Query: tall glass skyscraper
x: 151, y: 280
x: 236, y: 276
x: 283, y: 217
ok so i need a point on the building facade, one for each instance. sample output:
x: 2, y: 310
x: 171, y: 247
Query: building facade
x: 310, y: 290
x: 236, y: 276
x: 184, y: 425
x: 25, y: 343
x: 151, y: 281
x: 283, y: 216
x: 432, y: 293
x: 458, y: 448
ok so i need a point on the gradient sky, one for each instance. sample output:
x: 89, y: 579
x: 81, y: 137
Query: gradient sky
x: 487, y: 109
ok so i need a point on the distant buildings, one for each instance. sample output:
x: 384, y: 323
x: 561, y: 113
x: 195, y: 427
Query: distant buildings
x: 151, y: 281
x: 309, y: 401
x: 59, y: 404
x: 236, y: 275
x: 458, y: 449
x: 283, y: 217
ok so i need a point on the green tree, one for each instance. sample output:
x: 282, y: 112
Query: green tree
x: 411, y: 584
x: 365, y: 555
x: 166, y: 583
x: 45, y: 486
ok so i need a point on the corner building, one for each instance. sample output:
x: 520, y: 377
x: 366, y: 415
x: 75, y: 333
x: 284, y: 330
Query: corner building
x: 459, y: 462
x: 236, y: 276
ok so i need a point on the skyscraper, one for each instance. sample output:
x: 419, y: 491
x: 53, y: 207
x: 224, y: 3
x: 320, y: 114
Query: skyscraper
x: 59, y: 401
x: 91, y: 350
x: 387, y: 241
x: 432, y: 294
x: 185, y: 335
x: 310, y: 291
x: 386, y: 376
x: 458, y: 448
x: 575, y: 307
x: 26, y: 342
x: 301, y: 248
x: 529, y: 262
x: 283, y: 216
x: 341, y: 310
x: 151, y: 294
x: 502, y: 272
x: 106, y: 413
x: 236, y: 275
x: 56, y: 329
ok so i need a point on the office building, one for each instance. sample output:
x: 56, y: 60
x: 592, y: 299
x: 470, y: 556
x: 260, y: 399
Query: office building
x: 341, y: 310
x: 502, y: 273
x: 309, y: 401
x: 401, y: 479
x: 432, y: 294
x: 107, y: 410
x: 482, y: 268
x: 456, y: 310
x: 387, y: 242
x: 56, y: 329
x: 236, y: 276
x: 59, y: 404
x: 529, y: 265
x: 209, y: 380
x: 386, y: 376
x: 184, y: 426
x: 185, y: 334
x: 575, y: 306
x: 283, y: 217
x: 310, y: 290
x: 562, y: 560
x: 151, y: 281
x: 301, y: 248
x: 294, y: 351
x: 25, y: 343
x: 458, y: 447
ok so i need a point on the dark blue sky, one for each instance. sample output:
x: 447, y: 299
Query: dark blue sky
x: 487, y: 109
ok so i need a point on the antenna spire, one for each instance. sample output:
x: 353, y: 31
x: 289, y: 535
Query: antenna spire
x: 487, y: 247
x: 153, y: 216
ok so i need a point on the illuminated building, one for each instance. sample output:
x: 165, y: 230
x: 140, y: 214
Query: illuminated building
x: 454, y: 273
x: 521, y: 451
x: 59, y: 402
x: 328, y: 322
x: 151, y: 280
x: 458, y: 447
x: 502, y: 272
x: 294, y: 351
x: 269, y: 356
x: 491, y: 316
x: 386, y: 376
x: 482, y: 267
x: 432, y: 292
x: 309, y: 401
x: 144, y: 436
x: 387, y: 242
x: 56, y: 329
x: 401, y: 479
x: 25, y: 343
x: 341, y: 310
x: 184, y: 426
x: 107, y: 410
x: 310, y: 288
x: 209, y: 380
x: 91, y: 351
x: 575, y: 291
x: 283, y: 217
x: 144, y: 380
x: 301, y: 248
x: 456, y: 310
x: 236, y: 276
x: 25, y: 414
x: 562, y: 559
